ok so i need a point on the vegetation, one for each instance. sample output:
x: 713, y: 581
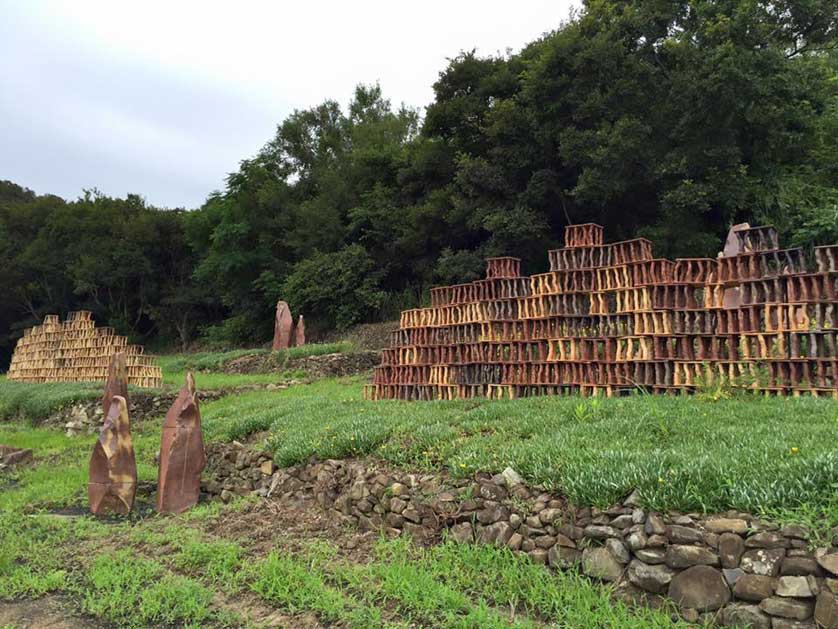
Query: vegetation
x: 669, y: 120
x: 677, y: 451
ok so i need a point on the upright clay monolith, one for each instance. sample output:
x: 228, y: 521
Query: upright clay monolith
x: 182, y: 456
x: 113, y: 469
x: 283, y: 323
x: 300, y: 332
x: 117, y: 382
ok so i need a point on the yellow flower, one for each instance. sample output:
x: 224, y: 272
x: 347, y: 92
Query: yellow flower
x: 794, y: 451
x: 462, y: 465
x: 660, y: 480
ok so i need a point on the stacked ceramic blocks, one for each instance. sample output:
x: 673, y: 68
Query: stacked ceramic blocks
x: 611, y: 317
x: 75, y: 351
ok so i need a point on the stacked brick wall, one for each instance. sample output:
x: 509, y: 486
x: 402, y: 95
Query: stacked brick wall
x: 608, y: 318
x: 77, y: 351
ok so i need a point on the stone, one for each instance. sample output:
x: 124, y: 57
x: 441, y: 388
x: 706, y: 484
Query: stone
x: 300, y: 332
x: 829, y: 563
x: 753, y: 587
x: 538, y: 556
x: 796, y: 531
x: 599, y: 563
x: 618, y: 550
x: 544, y: 541
x: 785, y: 623
x: 113, y: 468
x: 654, y: 525
x: 515, y: 541
x: 600, y: 532
x: 395, y: 521
x: 656, y: 541
x: 511, y: 477
x: 622, y: 522
x: 678, y: 534
x: 398, y: 489
x: 397, y: 505
x: 117, y: 382
x: 726, y: 525
x: 634, y: 499
x: 743, y: 615
x: 637, y: 540
x: 267, y: 468
x: 796, y: 587
x: 548, y: 516
x: 787, y: 608
x: 651, y: 578
x: 682, y: 556
x: 763, y: 561
x: 700, y: 587
x: 826, y: 610
x: 732, y: 575
x: 181, y: 453
x: 563, y: 556
x: 283, y: 322
x: 766, y: 539
x: 731, y: 548
x: 651, y: 555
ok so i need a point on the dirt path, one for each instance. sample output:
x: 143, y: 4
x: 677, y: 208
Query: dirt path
x: 49, y: 612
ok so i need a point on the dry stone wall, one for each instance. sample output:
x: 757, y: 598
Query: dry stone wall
x: 611, y: 317
x: 732, y: 568
x: 77, y: 351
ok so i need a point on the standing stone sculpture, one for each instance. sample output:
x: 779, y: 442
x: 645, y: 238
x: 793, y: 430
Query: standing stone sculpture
x: 282, y: 326
x: 182, y: 456
x: 117, y: 382
x: 113, y: 469
x: 300, y: 332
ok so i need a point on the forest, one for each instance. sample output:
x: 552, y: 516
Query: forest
x: 668, y: 119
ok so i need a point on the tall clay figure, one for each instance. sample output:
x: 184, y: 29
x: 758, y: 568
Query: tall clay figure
x: 117, y: 382
x: 113, y: 469
x: 181, y: 453
x: 283, y: 323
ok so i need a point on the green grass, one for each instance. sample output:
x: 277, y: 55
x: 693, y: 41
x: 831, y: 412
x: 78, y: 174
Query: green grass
x: 33, y: 402
x: 682, y: 453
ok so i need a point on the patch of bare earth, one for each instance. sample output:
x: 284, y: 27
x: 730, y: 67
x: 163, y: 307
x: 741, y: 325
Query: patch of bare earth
x: 49, y: 612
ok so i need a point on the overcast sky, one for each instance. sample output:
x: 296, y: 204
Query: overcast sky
x: 164, y: 99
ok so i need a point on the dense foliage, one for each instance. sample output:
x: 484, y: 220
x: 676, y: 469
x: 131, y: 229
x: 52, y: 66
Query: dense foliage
x: 669, y: 119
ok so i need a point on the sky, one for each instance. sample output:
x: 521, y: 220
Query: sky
x: 164, y: 99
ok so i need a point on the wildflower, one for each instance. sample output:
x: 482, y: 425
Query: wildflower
x: 463, y: 465
x: 660, y: 480
x: 794, y: 451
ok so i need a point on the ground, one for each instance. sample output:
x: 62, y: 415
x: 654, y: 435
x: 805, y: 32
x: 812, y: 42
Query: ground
x: 279, y: 562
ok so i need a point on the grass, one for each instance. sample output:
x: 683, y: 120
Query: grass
x: 33, y: 402
x: 756, y: 454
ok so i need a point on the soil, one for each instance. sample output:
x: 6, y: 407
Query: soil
x: 49, y: 612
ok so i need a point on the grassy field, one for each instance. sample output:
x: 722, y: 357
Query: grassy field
x: 766, y: 455
x: 234, y: 565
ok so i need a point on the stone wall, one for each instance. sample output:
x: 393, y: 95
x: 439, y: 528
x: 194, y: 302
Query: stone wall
x: 733, y: 568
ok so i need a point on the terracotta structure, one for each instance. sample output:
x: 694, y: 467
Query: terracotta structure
x: 608, y: 318
x: 77, y: 351
x: 300, y: 332
x: 117, y: 382
x: 181, y: 453
x: 113, y: 470
x: 283, y: 323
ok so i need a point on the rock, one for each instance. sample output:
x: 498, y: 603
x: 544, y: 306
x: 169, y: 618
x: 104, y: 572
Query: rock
x: 515, y: 541
x: 826, y: 610
x: 227, y: 495
x: 267, y: 468
x: 395, y: 521
x: 763, y: 561
x: 563, y: 556
x: 398, y: 489
x: 599, y: 563
x: 753, y: 587
x: 796, y: 587
x: 701, y: 587
x: 600, y: 532
x: 726, y: 525
x: 564, y: 540
x: 742, y: 615
x: 622, y: 522
x: 785, y: 623
x: 651, y: 555
x: 654, y: 525
x: 538, y: 556
x: 798, y: 566
x: 678, y: 534
x: 732, y: 575
x: 766, y: 539
x: 731, y: 548
x: 651, y: 578
x: 498, y: 534
x: 787, y: 608
x: 511, y: 477
x: 829, y: 563
x: 397, y: 505
x: 831, y: 585
x: 681, y: 556
x: 544, y: 541
x: 633, y: 499
x: 548, y: 516
x: 637, y: 540
x: 656, y: 541
x: 796, y: 531
x: 618, y: 550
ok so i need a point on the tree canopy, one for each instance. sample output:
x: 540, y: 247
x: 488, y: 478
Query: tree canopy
x: 670, y: 119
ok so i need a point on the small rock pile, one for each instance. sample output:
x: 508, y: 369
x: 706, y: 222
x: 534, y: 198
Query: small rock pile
x: 731, y: 568
x: 10, y: 457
